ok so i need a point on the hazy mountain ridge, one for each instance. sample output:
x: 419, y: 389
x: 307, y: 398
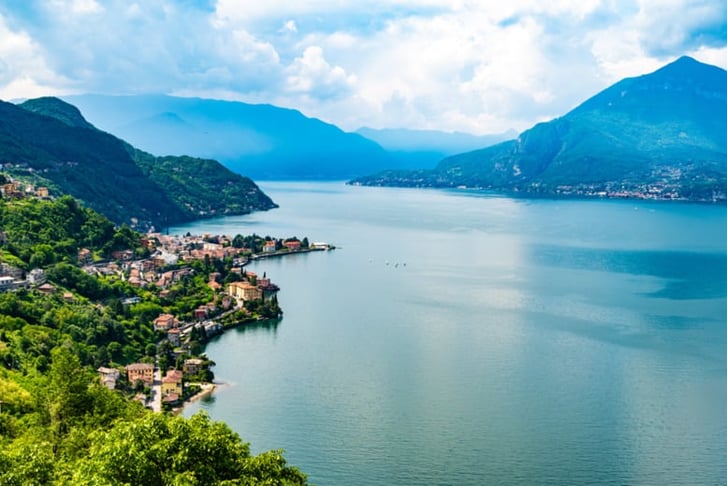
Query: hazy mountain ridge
x: 657, y: 135
x: 49, y: 142
x: 260, y: 141
x: 422, y: 149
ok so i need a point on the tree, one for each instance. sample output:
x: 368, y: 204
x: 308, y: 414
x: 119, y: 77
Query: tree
x: 164, y: 450
x: 67, y: 393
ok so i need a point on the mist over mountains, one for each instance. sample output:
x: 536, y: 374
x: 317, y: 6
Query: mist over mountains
x: 422, y: 149
x: 259, y: 141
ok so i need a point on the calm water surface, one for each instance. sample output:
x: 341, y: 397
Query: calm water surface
x: 464, y: 338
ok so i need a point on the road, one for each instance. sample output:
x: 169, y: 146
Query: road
x: 156, y: 391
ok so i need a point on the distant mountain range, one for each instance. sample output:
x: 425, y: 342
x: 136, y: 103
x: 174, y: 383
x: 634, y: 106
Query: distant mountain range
x: 259, y: 141
x: 662, y: 135
x: 48, y: 142
x: 422, y: 149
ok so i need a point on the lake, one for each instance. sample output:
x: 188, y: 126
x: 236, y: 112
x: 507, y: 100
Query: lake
x: 460, y: 337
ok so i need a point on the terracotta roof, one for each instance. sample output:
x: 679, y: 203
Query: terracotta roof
x: 139, y: 366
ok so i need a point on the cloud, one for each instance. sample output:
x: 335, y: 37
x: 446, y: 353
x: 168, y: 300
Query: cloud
x: 454, y: 65
x: 670, y: 27
x: 290, y: 26
x: 313, y: 76
x: 24, y: 72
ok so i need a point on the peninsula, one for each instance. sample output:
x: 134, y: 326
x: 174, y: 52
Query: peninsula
x: 98, y: 323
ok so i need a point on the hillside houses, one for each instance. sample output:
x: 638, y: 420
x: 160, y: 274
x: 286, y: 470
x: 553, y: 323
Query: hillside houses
x: 15, y: 189
x: 244, y: 291
x: 140, y: 372
x: 165, y: 322
x: 108, y: 376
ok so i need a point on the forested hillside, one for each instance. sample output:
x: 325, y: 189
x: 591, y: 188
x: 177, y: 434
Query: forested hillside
x: 47, y: 142
x: 58, y: 425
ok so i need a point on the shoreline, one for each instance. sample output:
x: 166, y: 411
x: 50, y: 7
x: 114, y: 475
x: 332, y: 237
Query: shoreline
x: 207, y: 390
x: 262, y: 256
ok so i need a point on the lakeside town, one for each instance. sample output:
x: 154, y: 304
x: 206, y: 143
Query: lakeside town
x: 207, y: 271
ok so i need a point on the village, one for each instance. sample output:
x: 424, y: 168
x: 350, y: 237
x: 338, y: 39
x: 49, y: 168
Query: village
x: 236, y: 299
x: 179, y: 370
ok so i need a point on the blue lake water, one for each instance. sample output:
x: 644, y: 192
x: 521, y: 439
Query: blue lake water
x: 465, y: 338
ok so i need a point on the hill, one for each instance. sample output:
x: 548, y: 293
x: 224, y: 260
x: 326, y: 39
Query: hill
x: 48, y: 142
x: 62, y: 326
x: 659, y: 135
x: 422, y: 149
x: 260, y: 141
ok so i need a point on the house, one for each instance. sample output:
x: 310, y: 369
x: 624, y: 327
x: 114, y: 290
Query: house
x: 212, y: 328
x: 6, y: 283
x: 172, y: 383
x: 192, y: 366
x: 47, y: 288
x: 42, y: 192
x: 84, y: 255
x: 122, y: 255
x: 201, y: 313
x: 244, y: 291
x: 292, y: 245
x: 174, y: 336
x: 171, y: 399
x: 269, y: 247
x: 165, y: 322
x: 140, y: 372
x: 108, y: 376
x: 36, y: 276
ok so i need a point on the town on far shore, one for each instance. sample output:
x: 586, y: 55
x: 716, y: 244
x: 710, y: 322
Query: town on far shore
x: 189, y: 288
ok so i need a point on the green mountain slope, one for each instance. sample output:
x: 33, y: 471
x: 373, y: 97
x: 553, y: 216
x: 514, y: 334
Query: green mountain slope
x: 46, y: 141
x: 659, y: 135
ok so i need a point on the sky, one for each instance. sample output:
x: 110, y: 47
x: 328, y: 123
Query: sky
x: 477, y: 66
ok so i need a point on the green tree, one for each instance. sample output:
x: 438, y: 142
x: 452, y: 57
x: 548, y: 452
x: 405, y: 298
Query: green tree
x: 67, y: 394
x: 168, y: 450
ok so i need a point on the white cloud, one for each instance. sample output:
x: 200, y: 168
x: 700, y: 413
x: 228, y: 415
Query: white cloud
x: 313, y: 76
x: 23, y: 70
x: 454, y: 65
x: 289, y: 26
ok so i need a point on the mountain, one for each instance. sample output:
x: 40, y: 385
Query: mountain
x: 418, y: 149
x: 260, y: 141
x: 659, y: 135
x: 48, y: 142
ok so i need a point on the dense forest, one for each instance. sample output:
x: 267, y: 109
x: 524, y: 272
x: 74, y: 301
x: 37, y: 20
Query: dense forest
x: 57, y: 423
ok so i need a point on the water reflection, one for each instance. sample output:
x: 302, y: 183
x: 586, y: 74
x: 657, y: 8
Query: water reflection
x: 269, y: 326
